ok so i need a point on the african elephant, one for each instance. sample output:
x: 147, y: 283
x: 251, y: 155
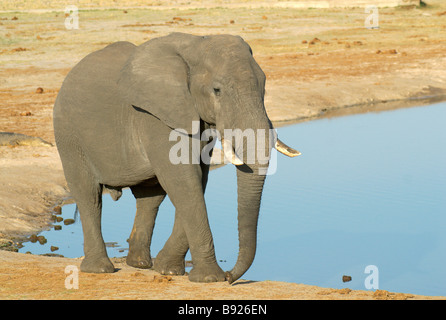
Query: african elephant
x: 113, y: 117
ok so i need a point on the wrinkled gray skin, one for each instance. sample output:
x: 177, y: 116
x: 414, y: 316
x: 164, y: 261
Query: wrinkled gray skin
x: 112, y: 120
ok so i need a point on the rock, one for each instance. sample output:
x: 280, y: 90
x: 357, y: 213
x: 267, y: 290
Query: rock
x: 346, y: 278
x: 57, y: 227
x: 391, y: 51
x: 39, y: 90
x: 33, y: 238
x: 179, y: 19
x: 5, y: 243
x: 53, y: 248
x: 57, y: 210
x: 52, y: 255
x: 161, y: 278
x: 42, y: 240
x: 314, y: 41
x: 344, y: 291
x: 19, y: 49
x: 68, y: 221
x: 381, y: 294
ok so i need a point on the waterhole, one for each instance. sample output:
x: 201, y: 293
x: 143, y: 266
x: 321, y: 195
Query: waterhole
x: 368, y: 190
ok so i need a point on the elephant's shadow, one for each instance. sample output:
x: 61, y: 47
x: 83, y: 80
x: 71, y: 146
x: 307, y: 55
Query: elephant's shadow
x: 243, y: 282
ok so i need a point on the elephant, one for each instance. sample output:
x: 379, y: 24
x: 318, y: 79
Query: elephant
x: 113, y: 117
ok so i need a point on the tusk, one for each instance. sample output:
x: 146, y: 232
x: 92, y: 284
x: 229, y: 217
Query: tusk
x: 230, y: 154
x: 284, y: 149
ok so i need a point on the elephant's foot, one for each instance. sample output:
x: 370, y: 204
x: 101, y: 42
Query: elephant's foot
x: 207, y: 273
x: 169, y: 265
x: 139, y: 258
x: 97, y: 265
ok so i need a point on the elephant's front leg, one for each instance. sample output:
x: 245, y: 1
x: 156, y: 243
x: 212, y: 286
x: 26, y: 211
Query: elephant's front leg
x: 170, y: 260
x: 185, y: 189
x: 193, y: 217
x: 148, y: 200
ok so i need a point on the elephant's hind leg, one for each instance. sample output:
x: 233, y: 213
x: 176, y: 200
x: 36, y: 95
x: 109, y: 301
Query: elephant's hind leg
x: 148, y: 200
x: 87, y: 193
x: 88, y: 197
x: 170, y: 260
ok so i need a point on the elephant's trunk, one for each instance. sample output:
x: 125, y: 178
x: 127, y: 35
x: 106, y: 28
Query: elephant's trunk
x: 250, y: 186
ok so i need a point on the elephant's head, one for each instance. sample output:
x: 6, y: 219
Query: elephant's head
x: 183, y: 78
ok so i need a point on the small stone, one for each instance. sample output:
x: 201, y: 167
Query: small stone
x: 68, y: 221
x: 33, y: 238
x: 57, y: 227
x: 381, y: 294
x: 57, y: 210
x: 39, y: 90
x: 346, y: 278
x: 42, y: 239
x: 344, y: 291
x: 53, y: 248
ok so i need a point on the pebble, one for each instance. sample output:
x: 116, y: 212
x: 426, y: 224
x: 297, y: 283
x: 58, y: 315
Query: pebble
x: 41, y: 239
x: 57, y: 210
x: 68, y: 221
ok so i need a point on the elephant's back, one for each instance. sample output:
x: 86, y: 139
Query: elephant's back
x: 92, y: 83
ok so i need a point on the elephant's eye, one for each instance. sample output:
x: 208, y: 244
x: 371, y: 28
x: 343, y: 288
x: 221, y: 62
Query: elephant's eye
x: 217, y: 91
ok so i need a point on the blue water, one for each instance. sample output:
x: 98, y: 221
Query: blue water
x: 368, y: 190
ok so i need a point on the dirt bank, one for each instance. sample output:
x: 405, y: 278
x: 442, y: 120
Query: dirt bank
x: 318, y: 62
x: 45, y: 279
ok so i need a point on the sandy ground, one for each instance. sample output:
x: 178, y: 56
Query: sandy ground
x: 318, y: 62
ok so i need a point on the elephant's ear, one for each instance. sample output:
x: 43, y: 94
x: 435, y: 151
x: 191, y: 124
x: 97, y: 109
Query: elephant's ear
x: 156, y: 79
